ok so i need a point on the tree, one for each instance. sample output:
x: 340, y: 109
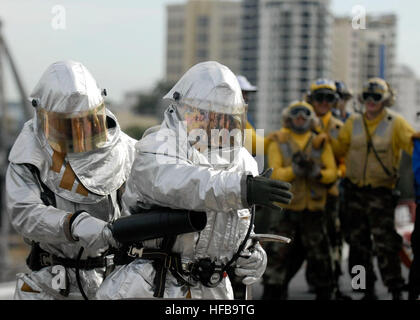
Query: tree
x: 151, y: 102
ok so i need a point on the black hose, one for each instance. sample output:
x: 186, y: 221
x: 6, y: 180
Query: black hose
x: 79, y: 283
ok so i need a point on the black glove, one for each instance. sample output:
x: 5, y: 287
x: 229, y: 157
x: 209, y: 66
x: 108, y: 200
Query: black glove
x: 300, y: 159
x: 303, y: 166
x: 264, y: 191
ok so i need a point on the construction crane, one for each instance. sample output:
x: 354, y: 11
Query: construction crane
x: 7, y: 136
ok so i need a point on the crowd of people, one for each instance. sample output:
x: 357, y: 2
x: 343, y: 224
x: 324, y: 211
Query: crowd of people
x: 74, y: 177
x: 344, y: 171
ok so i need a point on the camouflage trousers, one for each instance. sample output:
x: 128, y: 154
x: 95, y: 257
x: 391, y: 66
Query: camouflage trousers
x: 334, y: 232
x: 371, y: 230
x: 335, y: 237
x: 309, y: 241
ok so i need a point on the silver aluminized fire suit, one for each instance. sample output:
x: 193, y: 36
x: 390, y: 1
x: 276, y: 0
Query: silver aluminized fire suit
x: 89, y: 181
x: 168, y: 171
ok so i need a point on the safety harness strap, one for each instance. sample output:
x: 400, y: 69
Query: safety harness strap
x: 39, y: 258
x: 371, y: 146
x: 204, y: 270
x: 161, y: 262
x: 47, y: 196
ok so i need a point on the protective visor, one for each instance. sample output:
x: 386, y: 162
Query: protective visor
x: 300, y: 111
x: 73, y: 133
x: 376, y: 97
x: 324, y: 96
x: 212, y: 129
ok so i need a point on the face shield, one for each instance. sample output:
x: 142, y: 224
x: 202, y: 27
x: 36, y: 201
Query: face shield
x: 76, y: 132
x: 299, y: 117
x: 212, y: 129
x: 211, y: 109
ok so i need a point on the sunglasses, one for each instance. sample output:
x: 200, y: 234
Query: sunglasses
x: 304, y: 112
x: 321, y: 97
x: 377, y: 97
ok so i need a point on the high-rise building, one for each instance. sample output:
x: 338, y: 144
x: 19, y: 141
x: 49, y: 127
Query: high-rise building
x: 346, y: 53
x: 379, y: 47
x: 294, y: 48
x: 360, y: 54
x: 202, y: 30
x: 249, y: 39
x: 406, y: 86
x: 249, y: 49
x: 175, y: 38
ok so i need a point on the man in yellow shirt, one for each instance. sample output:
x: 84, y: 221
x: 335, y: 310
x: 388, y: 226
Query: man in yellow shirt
x: 323, y: 97
x: 305, y: 159
x: 371, y: 143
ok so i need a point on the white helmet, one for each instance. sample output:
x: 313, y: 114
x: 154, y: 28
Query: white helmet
x: 70, y: 109
x: 208, y: 97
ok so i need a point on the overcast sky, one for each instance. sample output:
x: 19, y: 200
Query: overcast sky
x: 123, y: 42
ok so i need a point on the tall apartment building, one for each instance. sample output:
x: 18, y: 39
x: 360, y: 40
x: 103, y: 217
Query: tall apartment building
x: 360, y: 54
x: 379, y: 47
x: 202, y: 30
x: 346, y: 53
x: 406, y: 85
x: 294, y: 48
x: 249, y: 49
x: 249, y: 39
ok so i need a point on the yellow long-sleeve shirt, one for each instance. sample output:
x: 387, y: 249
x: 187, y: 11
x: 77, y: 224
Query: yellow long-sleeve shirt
x: 275, y: 158
x: 401, y: 137
x: 302, y: 198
